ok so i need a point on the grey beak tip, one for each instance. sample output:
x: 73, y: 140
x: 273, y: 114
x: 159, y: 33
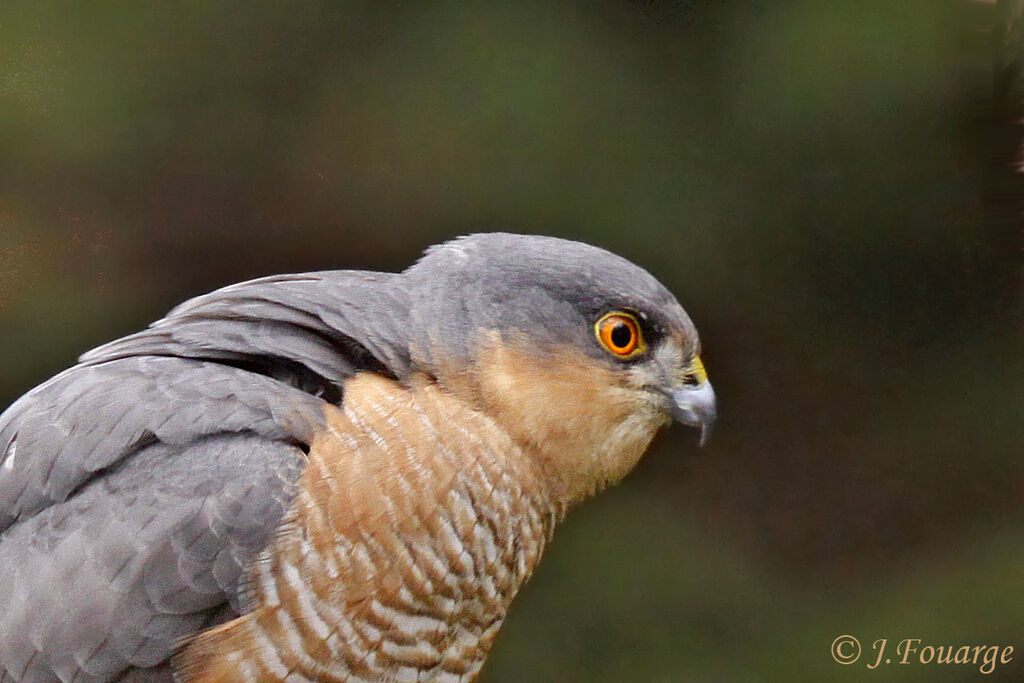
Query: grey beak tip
x: 695, y: 406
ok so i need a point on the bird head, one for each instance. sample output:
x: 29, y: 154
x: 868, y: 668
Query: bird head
x: 578, y: 353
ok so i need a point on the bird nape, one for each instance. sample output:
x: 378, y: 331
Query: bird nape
x: 333, y: 476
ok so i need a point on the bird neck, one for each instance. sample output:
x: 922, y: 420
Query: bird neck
x: 581, y: 427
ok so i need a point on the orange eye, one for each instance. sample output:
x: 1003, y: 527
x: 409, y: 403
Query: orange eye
x: 619, y: 333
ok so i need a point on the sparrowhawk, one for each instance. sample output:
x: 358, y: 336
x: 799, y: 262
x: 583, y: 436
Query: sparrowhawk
x: 330, y: 476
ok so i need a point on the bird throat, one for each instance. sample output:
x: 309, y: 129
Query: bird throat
x: 417, y: 520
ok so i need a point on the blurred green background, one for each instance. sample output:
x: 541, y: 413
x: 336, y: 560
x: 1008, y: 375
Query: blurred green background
x: 819, y: 182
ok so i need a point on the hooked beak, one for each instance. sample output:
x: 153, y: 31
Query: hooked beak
x: 695, y: 406
x: 691, y: 398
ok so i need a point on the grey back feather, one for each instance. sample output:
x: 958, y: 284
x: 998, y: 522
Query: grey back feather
x: 137, y: 486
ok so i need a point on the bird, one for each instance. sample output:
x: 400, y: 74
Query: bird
x: 331, y: 476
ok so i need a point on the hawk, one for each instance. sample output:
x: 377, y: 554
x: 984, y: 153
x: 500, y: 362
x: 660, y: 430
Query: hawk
x: 331, y: 476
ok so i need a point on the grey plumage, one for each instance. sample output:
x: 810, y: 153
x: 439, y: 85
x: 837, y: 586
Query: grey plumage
x: 137, y: 486
x: 331, y: 324
x: 140, y: 558
x: 545, y: 287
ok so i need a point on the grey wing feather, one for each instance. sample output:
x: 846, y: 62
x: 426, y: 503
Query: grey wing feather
x: 88, y: 419
x: 330, y: 323
x: 136, y: 486
x: 112, y: 578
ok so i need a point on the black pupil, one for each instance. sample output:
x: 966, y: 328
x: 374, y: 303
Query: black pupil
x: 622, y: 335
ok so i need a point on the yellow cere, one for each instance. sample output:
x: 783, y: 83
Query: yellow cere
x: 697, y: 370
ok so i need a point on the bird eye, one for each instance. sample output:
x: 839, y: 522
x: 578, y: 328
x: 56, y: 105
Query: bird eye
x: 619, y: 333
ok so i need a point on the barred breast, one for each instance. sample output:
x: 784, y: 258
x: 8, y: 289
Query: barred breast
x: 418, y: 519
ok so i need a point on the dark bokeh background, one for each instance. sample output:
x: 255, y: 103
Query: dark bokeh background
x: 819, y: 182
